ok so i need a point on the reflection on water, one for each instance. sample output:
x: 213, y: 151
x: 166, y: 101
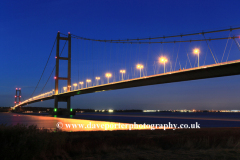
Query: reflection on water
x: 68, y: 124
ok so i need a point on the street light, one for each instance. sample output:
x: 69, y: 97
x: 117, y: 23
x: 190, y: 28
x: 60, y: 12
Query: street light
x: 69, y: 88
x: 197, y: 51
x: 108, y: 75
x: 81, y: 83
x: 88, y: 81
x: 97, y: 78
x: 163, y: 60
x: 65, y: 89
x: 122, y: 71
x: 75, y: 85
x: 139, y: 66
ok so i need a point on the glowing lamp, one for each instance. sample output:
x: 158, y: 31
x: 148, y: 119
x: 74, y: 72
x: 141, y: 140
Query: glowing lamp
x: 163, y: 60
x: 108, y: 75
x: 196, y: 51
x: 122, y: 71
x: 139, y: 66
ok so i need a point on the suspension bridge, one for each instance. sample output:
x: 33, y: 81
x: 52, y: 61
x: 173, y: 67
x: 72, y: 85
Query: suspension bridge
x: 104, y: 65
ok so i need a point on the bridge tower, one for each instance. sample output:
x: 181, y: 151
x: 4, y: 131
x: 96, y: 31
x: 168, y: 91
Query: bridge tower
x: 17, y: 96
x: 58, y: 98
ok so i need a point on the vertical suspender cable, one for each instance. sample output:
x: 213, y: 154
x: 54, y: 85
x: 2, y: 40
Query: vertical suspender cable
x: 225, y: 48
x: 210, y: 49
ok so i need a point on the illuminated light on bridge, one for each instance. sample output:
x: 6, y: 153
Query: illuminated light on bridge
x: 97, y: 78
x: 163, y: 60
x: 123, y: 72
x: 55, y: 77
x: 197, y: 51
x: 81, y: 84
x: 69, y: 88
x: 108, y: 75
x: 140, y: 67
x: 64, y: 89
x: 88, y: 81
x: 75, y: 86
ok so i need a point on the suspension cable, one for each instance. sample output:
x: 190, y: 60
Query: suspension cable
x: 163, y: 37
x: 237, y: 43
x: 194, y: 40
x: 52, y: 70
x: 229, y: 51
x: 210, y: 49
x: 225, y: 48
x: 44, y: 67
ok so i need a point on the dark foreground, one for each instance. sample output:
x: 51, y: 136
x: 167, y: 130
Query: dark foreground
x: 21, y: 142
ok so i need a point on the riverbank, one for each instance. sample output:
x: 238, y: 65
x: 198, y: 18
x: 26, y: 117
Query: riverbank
x: 22, y: 142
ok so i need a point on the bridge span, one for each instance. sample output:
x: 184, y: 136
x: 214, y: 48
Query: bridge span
x: 209, y: 71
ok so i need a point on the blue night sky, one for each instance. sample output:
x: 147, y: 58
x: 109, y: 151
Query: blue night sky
x: 29, y: 28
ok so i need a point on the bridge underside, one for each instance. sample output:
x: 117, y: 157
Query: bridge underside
x: 227, y: 69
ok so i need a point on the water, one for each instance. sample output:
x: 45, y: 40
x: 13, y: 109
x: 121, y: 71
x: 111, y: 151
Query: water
x: 110, y: 121
x: 205, y: 119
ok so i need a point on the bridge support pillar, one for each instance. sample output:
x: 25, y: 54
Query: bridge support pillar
x: 55, y: 102
x: 60, y: 111
x: 68, y: 103
x: 57, y: 97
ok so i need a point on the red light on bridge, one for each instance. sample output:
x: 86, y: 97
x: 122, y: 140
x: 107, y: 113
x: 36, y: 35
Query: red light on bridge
x: 56, y: 57
x: 55, y: 77
x: 15, y: 96
x: 16, y: 88
x: 19, y: 88
x: 68, y: 32
x: 15, y: 102
x: 20, y: 96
